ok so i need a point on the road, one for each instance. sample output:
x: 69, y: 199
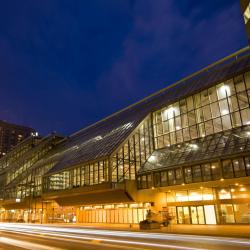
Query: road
x: 44, y: 237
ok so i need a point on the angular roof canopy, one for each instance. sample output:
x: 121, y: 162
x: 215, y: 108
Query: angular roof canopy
x: 203, y: 149
x: 102, y: 138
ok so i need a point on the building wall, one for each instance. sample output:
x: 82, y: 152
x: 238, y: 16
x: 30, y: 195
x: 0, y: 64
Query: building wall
x: 11, y: 135
x: 245, y: 10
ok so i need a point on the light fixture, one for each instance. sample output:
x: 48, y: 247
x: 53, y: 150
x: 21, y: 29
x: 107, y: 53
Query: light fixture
x: 152, y: 158
x: 224, y: 91
x: 194, y: 146
x: 224, y: 111
x: 169, y: 113
x: 221, y: 179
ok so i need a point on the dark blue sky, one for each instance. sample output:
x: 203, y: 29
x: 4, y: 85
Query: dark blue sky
x: 66, y: 64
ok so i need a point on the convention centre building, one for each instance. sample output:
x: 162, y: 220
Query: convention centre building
x: 183, y: 152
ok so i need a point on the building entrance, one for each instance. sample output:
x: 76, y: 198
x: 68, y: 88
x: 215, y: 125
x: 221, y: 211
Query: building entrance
x: 196, y: 215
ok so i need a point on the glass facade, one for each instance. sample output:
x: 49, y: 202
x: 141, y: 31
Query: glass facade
x: 83, y: 175
x: 134, y: 152
x: 113, y: 213
x: 208, y: 171
x: 224, y: 205
x: 216, y: 109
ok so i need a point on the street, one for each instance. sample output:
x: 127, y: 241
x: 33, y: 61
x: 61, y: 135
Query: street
x: 41, y: 237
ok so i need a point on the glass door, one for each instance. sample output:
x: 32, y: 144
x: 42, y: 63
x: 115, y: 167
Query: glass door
x: 183, y: 215
x: 210, y: 214
x: 200, y: 212
x: 197, y: 215
x: 194, y: 215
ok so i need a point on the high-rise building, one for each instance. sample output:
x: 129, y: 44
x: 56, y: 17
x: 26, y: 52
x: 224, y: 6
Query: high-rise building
x: 11, y: 135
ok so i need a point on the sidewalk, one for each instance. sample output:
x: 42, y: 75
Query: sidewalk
x: 215, y: 230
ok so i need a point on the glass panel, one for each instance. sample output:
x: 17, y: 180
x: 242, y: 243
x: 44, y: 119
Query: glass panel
x: 196, y: 173
x: 247, y: 162
x: 224, y: 194
x: 164, y: 181
x: 178, y: 176
x: 227, y: 169
x: 242, y: 213
x: 210, y: 214
x: 180, y: 215
x: 206, y: 172
x: 181, y: 196
x: 223, y: 91
x: 171, y: 177
x: 149, y: 181
x: 239, y: 83
x: 245, y: 115
x: 200, y: 213
x: 195, y: 195
x: 157, y: 179
x: 207, y: 194
x: 217, y: 125
x: 236, y: 120
x: 183, y: 215
x: 188, y: 174
x: 239, y: 167
x: 247, y: 79
x: 227, y: 214
x: 243, y: 100
x: 216, y: 174
x: 194, y: 215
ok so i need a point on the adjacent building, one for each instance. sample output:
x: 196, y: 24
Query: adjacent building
x: 245, y: 10
x: 11, y: 135
x: 183, y: 152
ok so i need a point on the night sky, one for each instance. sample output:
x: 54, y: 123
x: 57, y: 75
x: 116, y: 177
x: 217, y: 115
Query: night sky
x: 66, y: 64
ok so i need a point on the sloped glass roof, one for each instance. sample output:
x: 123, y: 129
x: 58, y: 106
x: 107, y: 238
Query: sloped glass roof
x: 207, y: 148
x: 102, y: 138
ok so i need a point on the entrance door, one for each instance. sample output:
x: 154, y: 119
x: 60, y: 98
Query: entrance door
x: 183, y: 215
x: 210, y: 214
x: 197, y: 215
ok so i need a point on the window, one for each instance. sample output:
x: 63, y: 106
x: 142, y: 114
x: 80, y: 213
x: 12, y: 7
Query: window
x: 196, y: 173
x: 219, y: 108
x: 247, y: 162
x: 216, y: 174
x: 171, y: 177
x: 164, y: 180
x: 157, y: 179
x: 227, y: 169
x: 206, y: 172
x: 178, y: 176
x: 239, y: 167
x: 188, y: 174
